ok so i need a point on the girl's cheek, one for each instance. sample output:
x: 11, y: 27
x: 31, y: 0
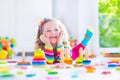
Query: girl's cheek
x: 58, y: 33
x: 47, y: 35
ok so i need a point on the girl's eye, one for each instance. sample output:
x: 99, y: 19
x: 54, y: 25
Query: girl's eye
x: 56, y: 29
x: 48, y: 30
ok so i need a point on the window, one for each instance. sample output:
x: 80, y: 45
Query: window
x: 109, y: 23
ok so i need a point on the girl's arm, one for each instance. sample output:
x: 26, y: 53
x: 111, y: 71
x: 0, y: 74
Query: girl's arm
x: 59, y: 49
x: 50, y: 59
x: 49, y: 54
x: 48, y: 49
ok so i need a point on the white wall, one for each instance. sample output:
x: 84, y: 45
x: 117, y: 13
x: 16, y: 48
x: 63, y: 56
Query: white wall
x: 18, y: 19
x: 7, y: 18
x: 67, y: 12
x: 94, y: 22
x: 28, y: 13
x: 77, y: 16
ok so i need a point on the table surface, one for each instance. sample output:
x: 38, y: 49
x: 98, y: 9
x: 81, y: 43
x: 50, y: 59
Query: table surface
x: 72, y: 73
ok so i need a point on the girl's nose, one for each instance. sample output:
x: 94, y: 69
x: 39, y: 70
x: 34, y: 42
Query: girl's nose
x: 53, y: 32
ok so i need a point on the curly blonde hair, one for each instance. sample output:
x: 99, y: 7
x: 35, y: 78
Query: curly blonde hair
x: 39, y: 44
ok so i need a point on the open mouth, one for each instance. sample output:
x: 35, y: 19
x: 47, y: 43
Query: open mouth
x: 53, y: 37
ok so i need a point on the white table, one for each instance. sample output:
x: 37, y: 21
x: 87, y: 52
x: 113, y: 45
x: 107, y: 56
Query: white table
x: 63, y: 74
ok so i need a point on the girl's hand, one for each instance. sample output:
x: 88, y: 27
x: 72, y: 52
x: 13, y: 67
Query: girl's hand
x: 60, y: 37
x: 45, y: 40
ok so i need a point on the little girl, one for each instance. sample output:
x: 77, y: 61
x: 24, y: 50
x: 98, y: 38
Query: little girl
x: 52, y: 37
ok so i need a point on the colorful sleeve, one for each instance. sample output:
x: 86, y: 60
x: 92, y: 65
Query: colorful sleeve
x: 59, y: 48
x: 83, y: 44
x: 65, y: 45
x: 49, y: 54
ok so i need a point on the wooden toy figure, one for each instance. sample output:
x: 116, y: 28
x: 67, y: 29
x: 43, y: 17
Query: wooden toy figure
x: 86, y: 61
x: 23, y: 62
x: 67, y: 58
x: 80, y: 59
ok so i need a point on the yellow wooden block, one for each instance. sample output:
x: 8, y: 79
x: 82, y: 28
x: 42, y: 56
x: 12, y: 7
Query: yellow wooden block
x: 3, y: 54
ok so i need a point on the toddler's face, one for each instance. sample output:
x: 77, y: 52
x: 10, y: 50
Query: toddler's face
x: 51, y: 30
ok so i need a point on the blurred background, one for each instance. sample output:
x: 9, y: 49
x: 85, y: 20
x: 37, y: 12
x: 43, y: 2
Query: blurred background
x: 19, y: 18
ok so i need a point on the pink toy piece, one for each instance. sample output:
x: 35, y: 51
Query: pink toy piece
x: 23, y: 67
x: 113, y: 62
x: 106, y: 72
x: 88, y: 66
x: 11, y: 61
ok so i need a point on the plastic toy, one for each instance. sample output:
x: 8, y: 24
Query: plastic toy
x: 3, y: 54
x: 6, y: 47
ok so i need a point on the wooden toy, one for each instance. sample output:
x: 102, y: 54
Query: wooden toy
x: 118, y: 69
x: 11, y: 61
x: 30, y: 75
x: 111, y: 54
x: 80, y: 59
x: 20, y: 72
x: 78, y: 65
x: 112, y: 65
x: 90, y: 70
x: 52, y: 72
x: 73, y: 42
x: 3, y: 62
x: 106, y: 72
x: 39, y: 58
x: 92, y: 55
x: 23, y: 62
x: 62, y: 56
x: 67, y: 59
x: 115, y: 60
x: 86, y: 61
x: 7, y: 75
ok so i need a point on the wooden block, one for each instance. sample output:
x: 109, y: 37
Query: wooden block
x: 111, y: 55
